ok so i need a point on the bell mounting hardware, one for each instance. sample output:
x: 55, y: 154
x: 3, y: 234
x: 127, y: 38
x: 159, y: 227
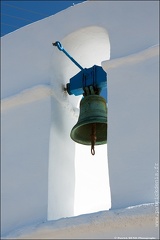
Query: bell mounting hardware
x: 91, y: 128
x: 94, y: 76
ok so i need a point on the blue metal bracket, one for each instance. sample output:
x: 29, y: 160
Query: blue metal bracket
x: 94, y: 77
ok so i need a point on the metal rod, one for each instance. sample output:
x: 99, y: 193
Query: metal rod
x: 60, y: 47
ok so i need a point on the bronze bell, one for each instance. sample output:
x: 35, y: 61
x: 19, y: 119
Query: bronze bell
x: 91, y: 128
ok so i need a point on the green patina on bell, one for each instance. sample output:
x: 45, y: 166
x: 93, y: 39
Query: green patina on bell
x: 91, y: 128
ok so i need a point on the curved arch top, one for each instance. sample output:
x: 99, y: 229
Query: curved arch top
x: 88, y: 46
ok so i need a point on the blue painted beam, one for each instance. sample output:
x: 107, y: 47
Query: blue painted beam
x: 94, y: 76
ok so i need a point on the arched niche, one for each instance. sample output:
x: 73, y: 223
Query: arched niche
x: 88, y: 46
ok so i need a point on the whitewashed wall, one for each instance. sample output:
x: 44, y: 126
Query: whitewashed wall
x: 136, y: 222
x: 28, y: 63
x: 133, y: 127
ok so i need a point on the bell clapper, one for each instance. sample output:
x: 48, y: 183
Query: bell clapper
x: 93, y: 138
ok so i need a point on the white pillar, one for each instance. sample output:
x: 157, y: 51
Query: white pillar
x: 133, y: 126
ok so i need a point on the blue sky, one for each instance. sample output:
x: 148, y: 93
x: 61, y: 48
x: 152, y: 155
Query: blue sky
x: 16, y: 14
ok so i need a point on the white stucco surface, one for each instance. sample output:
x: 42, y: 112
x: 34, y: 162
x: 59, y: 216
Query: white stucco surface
x: 136, y: 222
x: 133, y: 127
x: 41, y: 166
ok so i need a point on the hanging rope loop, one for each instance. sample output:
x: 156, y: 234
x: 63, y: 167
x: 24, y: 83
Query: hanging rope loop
x: 93, y: 138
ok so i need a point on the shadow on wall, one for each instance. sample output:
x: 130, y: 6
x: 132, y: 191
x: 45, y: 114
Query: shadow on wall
x: 88, y: 46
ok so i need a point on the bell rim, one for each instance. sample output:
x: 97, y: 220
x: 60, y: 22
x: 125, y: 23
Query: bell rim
x: 82, y: 124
